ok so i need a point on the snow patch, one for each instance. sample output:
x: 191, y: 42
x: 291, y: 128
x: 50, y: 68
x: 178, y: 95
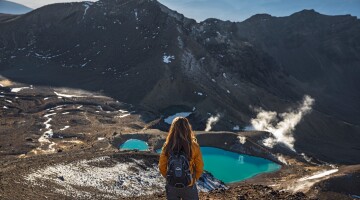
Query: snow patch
x: 87, y: 6
x: 47, y: 125
x: 249, y: 128
x: 44, y: 139
x: 66, y: 127
x: 236, y: 128
x: 308, y: 159
x: 169, y: 119
x: 66, y: 95
x: 123, y: 111
x: 48, y: 115
x: 168, y: 58
x: 15, y: 90
x: 122, y: 116
x: 198, y: 93
x: 128, y: 179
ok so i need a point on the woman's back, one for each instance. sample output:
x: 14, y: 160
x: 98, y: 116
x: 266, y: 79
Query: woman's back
x: 196, y: 162
x: 181, y: 139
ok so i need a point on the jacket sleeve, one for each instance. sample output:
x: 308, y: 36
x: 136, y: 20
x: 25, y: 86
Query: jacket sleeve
x: 163, y: 163
x: 198, y: 161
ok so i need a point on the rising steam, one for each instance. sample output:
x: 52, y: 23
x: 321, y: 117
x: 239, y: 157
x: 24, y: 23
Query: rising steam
x: 281, y: 130
x: 212, y: 121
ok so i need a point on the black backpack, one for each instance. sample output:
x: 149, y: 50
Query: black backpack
x: 178, y: 170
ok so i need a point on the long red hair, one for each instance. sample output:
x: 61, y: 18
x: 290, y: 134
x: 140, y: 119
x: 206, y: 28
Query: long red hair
x: 180, y: 137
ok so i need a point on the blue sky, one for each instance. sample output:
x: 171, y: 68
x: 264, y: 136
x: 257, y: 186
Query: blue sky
x: 38, y: 3
x: 239, y: 10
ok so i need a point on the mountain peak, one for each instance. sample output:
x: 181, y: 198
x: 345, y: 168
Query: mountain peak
x: 259, y: 17
x: 306, y: 12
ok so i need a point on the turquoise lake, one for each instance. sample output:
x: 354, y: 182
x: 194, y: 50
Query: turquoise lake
x: 233, y: 167
x: 133, y: 144
x: 224, y: 165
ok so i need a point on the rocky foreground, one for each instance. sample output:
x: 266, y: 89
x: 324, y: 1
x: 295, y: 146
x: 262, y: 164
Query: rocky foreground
x: 43, y: 177
x: 91, y: 174
x: 59, y: 143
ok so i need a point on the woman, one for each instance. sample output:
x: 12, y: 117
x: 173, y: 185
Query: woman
x: 181, y: 138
